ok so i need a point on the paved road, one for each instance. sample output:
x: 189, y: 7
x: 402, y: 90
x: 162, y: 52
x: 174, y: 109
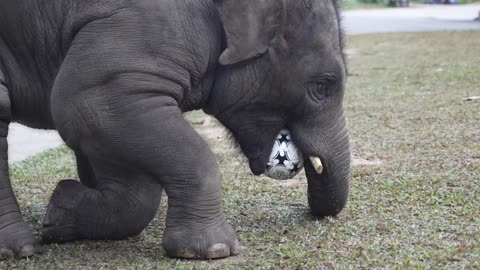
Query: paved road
x: 419, y: 18
x: 25, y: 142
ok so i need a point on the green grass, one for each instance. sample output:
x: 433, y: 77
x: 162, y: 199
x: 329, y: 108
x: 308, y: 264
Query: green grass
x: 416, y: 207
x: 353, y: 4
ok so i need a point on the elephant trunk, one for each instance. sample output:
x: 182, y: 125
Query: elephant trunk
x: 328, y: 186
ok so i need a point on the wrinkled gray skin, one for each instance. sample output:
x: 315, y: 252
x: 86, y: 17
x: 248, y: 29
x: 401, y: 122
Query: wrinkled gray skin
x: 114, y: 77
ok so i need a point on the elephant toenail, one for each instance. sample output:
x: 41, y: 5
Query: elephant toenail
x: 219, y: 250
x: 235, y: 250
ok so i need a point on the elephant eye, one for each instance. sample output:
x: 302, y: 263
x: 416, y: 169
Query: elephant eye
x: 320, y: 87
x: 317, y: 91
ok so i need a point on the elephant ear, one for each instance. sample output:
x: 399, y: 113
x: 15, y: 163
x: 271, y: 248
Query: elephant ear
x: 251, y: 27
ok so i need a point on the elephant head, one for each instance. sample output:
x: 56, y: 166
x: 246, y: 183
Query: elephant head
x: 283, y: 67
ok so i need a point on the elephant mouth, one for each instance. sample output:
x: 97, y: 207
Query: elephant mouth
x: 258, y: 164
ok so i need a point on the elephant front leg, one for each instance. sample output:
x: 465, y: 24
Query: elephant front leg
x: 16, y: 238
x: 195, y: 227
x: 158, y: 143
x: 146, y: 133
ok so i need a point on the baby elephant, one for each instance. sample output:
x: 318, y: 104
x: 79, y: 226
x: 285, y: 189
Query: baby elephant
x: 114, y: 77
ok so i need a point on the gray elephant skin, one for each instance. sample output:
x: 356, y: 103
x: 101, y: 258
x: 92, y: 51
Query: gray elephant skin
x: 114, y: 77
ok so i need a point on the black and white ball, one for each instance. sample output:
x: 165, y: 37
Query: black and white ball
x: 286, y: 160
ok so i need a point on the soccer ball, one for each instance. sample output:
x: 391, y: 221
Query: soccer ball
x: 286, y: 160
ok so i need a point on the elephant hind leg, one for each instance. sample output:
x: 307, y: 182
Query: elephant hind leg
x: 114, y: 210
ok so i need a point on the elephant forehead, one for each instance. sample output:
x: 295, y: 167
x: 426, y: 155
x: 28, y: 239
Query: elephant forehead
x: 318, y: 25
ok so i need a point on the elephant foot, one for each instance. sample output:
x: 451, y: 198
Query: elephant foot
x: 213, y: 243
x: 16, y: 239
x: 59, y: 224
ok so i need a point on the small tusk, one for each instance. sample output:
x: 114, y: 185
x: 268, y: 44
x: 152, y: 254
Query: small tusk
x: 317, y: 164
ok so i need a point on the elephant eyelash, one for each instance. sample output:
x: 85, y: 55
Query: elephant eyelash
x: 325, y: 78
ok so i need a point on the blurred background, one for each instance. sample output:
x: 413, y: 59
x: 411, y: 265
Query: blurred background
x: 348, y: 4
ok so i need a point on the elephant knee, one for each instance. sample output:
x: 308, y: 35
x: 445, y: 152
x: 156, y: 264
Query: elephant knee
x: 131, y: 219
x: 129, y: 212
x: 111, y: 212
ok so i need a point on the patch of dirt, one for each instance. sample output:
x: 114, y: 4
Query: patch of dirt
x: 211, y: 129
x: 367, y: 161
x: 233, y: 262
